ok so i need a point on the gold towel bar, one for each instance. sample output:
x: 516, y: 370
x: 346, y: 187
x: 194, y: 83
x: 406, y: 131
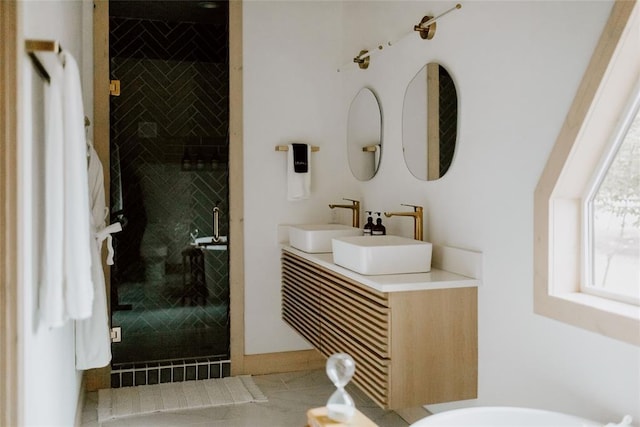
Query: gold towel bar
x: 42, y: 46
x: 33, y: 46
x: 286, y: 148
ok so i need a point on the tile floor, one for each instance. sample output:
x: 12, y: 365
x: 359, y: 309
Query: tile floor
x: 290, y: 396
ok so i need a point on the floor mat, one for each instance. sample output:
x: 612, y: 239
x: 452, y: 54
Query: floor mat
x: 129, y: 401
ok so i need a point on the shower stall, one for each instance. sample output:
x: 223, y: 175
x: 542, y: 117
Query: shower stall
x: 169, y: 172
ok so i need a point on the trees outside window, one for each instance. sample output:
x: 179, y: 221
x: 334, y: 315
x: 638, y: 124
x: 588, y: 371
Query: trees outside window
x: 613, y: 221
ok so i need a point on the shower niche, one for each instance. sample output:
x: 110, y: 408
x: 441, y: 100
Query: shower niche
x: 168, y: 170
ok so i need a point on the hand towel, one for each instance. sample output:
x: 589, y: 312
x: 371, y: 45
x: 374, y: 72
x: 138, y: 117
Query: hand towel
x: 298, y: 183
x: 300, y: 158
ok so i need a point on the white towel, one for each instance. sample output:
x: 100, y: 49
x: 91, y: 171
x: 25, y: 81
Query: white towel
x: 65, y: 284
x: 93, y: 341
x: 51, y: 282
x: 77, y: 228
x: 99, y: 210
x: 298, y: 184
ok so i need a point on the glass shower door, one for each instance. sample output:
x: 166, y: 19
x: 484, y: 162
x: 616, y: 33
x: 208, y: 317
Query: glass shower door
x: 169, y: 157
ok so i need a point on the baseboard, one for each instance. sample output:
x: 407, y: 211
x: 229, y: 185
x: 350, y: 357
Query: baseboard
x: 290, y: 361
x: 80, y: 406
x: 98, y: 378
x: 411, y: 415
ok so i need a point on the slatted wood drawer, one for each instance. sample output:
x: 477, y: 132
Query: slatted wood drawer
x: 301, y: 305
x: 313, y: 301
x: 410, y: 348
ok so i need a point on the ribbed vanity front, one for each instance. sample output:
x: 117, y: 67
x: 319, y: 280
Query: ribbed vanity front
x: 313, y: 304
x: 337, y: 314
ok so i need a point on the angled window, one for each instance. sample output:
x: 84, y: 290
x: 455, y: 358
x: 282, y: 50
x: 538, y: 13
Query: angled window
x: 612, y: 217
x: 587, y: 202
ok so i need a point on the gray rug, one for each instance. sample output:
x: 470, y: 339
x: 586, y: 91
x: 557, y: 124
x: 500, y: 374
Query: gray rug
x: 145, y: 399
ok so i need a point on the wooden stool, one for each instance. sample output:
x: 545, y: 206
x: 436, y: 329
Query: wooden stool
x: 194, y: 284
x: 318, y: 417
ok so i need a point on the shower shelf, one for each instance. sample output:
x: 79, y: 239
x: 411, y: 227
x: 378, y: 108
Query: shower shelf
x: 206, y: 243
x: 216, y: 247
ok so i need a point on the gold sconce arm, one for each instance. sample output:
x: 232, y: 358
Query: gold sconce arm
x: 426, y: 31
x: 363, y: 59
x: 427, y: 26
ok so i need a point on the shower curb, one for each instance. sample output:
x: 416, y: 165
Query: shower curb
x: 169, y: 371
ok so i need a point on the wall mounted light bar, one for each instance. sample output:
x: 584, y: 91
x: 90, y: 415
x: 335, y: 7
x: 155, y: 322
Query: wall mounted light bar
x: 426, y: 27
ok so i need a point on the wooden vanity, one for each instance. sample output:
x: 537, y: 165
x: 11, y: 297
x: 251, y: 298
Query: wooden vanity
x: 414, y: 346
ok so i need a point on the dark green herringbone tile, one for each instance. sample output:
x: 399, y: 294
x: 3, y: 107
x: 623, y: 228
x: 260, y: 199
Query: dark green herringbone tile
x: 174, y: 98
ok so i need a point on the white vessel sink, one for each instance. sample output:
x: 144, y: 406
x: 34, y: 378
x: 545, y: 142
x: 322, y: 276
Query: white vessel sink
x: 375, y: 255
x: 316, y: 238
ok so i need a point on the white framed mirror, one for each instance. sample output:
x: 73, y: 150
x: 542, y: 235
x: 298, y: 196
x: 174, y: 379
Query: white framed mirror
x: 364, y: 135
x: 430, y: 122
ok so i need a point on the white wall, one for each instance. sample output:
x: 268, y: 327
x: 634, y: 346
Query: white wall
x: 291, y: 94
x: 516, y: 66
x: 51, y: 382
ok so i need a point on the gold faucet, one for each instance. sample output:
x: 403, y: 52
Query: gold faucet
x: 355, y: 208
x: 417, y: 219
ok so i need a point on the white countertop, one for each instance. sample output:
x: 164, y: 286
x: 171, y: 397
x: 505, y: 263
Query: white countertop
x: 435, y: 279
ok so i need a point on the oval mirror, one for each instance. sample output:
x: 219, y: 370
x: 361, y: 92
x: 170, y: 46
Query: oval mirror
x: 430, y: 122
x: 364, y: 135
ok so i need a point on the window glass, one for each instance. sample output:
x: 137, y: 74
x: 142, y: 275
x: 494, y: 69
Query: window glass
x: 615, y: 223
